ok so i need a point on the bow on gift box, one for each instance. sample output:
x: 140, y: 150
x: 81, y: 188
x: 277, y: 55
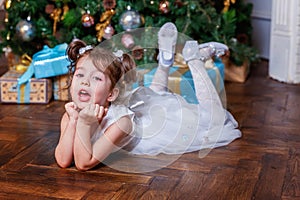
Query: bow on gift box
x: 179, y: 61
x: 23, y: 63
x: 46, y: 63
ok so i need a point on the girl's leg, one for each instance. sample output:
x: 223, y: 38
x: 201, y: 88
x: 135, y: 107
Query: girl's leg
x: 195, y: 55
x: 167, y: 37
x: 210, y: 108
x: 160, y: 79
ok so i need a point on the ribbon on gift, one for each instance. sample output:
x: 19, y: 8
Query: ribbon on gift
x: 23, y: 65
x: 46, y: 63
x: 175, y: 78
x: 23, y: 93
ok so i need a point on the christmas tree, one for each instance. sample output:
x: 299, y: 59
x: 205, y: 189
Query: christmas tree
x: 31, y: 24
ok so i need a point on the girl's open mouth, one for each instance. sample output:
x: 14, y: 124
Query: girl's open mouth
x: 84, y: 96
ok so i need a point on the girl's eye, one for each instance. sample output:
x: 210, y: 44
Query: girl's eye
x: 79, y: 75
x: 97, y: 78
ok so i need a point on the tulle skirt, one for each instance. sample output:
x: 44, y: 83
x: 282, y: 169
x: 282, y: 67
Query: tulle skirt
x: 166, y: 123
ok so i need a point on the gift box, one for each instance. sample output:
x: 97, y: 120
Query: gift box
x: 234, y: 73
x: 140, y: 72
x: 180, y: 79
x: 34, y: 91
x: 48, y: 62
x: 60, y: 88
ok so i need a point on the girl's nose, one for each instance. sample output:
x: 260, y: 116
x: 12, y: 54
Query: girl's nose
x: 84, y: 82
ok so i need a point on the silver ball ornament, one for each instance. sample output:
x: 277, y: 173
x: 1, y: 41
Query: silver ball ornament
x: 108, y: 32
x: 130, y: 20
x: 25, y: 30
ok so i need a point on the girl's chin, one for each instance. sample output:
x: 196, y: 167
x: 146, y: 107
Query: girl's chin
x: 81, y: 105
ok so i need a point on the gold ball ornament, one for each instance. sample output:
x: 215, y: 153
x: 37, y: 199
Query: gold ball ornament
x: 87, y: 20
x: 164, y: 7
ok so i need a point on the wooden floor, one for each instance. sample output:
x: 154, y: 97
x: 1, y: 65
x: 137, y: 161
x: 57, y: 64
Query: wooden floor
x: 263, y: 164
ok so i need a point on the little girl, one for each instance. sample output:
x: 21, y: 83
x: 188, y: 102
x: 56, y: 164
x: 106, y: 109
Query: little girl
x: 104, y: 116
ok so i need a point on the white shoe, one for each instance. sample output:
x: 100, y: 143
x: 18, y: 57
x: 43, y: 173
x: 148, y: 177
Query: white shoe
x: 203, y: 52
x: 167, y: 38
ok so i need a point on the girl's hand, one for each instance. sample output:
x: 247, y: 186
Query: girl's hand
x: 92, y: 114
x: 71, y: 109
x: 102, y: 113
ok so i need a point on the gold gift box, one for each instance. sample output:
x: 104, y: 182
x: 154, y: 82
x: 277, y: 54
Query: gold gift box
x: 34, y: 91
x: 60, y: 88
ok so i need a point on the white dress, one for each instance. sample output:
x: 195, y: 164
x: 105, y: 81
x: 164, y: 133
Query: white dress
x: 166, y: 123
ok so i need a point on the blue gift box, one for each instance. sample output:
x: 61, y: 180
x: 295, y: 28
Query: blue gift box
x: 48, y: 62
x: 180, y: 80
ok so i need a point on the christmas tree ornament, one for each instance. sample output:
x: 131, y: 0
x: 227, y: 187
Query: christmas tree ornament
x: 178, y: 3
x: 164, y: 7
x: 7, y: 6
x: 87, y: 19
x: 109, y: 4
x: 130, y: 19
x: 25, y: 30
x: 65, y: 11
x: 49, y: 8
x: 103, y: 23
x: 108, y: 32
x: 10, y: 57
x: 8, y: 36
x: 24, y: 63
x: 55, y: 15
x: 127, y: 41
x: 137, y: 52
x: 227, y: 4
x: 192, y: 6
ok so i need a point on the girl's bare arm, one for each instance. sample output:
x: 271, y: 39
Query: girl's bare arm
x: 86, y: 155
x: 64, y: 148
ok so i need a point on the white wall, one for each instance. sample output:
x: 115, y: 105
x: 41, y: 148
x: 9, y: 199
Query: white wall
x: 261, y: 23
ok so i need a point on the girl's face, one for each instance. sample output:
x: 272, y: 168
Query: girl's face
x: 89, y: 85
